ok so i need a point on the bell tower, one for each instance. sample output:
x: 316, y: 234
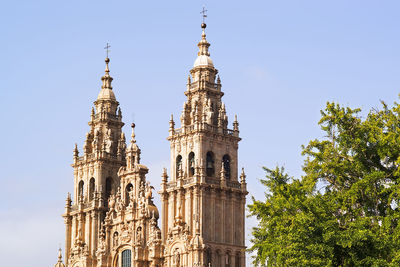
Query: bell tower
x: 203, y: 201
x: 95, y: 177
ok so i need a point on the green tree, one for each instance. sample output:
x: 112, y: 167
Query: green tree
x: 344, y: 210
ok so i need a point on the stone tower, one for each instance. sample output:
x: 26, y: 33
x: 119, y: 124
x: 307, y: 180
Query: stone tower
x: 203, y: 202
x: 95, y: 176
x: 112, y: 220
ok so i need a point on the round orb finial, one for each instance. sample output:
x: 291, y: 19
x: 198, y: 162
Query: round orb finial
x: 107, y: 60
x: 133, y: 125
x: 203, y: 25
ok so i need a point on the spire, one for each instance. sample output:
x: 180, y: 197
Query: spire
x: 243, y: 183
x: 203, y: 56
x: 133, y: 140
x: 133, y: 151
x: 106, y: 92
x: 107, y: 79
x: 76, y: 151
x: 59, y: 255
x: 236, y: 124
x: 203, y: 44
x: 164, y: 175
x: 59, y: 262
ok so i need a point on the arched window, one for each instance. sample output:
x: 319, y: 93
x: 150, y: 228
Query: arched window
x: 227, y: 260
x: 80, y: 188
x: 227, y: 166
x: 91, y: 188
x: 210, y: 170
x: 218, y: 258
x: 191, y: 164
x: 237, y: 259
x: 208, y: 257
x: 178, y: 164
x: 108, y: 191
x: 128, y: 190
x: 126, y: 258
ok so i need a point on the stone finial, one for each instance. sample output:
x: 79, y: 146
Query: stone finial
x: 107, y: 79
x: 171, y: 125
x: 59, y: 255
x: 68, y: 203
x: 220, y: 122
x: 164, y: 176
x: 119, y: 113
x: 59, y: 262
x: 133, y: 140
x: 203, y: 44
x: 68, y: 198
x: 243, y: 180
x: 242, y: 176
x: 76, y: 151
x: 236, y: 124
x: 92, y: 114
x: 222, y: 175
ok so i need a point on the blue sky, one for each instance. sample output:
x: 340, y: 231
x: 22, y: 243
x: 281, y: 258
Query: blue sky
x: 279, y: 62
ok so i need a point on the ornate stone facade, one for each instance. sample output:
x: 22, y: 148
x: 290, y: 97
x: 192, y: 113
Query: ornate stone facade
x: 112, y: 220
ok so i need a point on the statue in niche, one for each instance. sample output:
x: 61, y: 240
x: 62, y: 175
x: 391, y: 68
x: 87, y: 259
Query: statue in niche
x: 139, y: 235
x: 115, y: 239
x: 196, y: 112
x: 183, y: 115
x: 111, y: 202
x: 209, y: 112
x: 131, y: 198
x: 96, y: 141
x: 193, y: 112
x: 108, y: 141
x: 118, y: 200
x: 80, y: 231
x: 177, y: 257
x: 122, y: 144
x: 86, y: 145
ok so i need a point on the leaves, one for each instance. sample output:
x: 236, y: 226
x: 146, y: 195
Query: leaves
x: 354, y: 219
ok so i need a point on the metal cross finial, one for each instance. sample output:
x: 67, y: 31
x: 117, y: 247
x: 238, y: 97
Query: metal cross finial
x: 107, y: 48
x: 204, y: 13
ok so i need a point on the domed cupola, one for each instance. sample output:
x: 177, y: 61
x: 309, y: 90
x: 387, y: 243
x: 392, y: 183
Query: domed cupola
x: 203, y: 56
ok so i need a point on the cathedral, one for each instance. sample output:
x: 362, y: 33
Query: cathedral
x: 111, y: 219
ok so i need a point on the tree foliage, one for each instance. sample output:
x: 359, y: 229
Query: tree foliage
x: 344, y: 210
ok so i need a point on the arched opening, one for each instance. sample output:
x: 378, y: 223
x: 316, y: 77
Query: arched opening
x: 92, y: 185
x: 108, y: 190
x: 80, y: 188
x: 226, y: 160
x: 227, y: 259
x: 237, y: 259
x: 126, y: 258
x: 191, y: 164
x: 210, y: 170
x: 208, y: 257
x: 218, y: 258
x: 178, y: 164
x: 128, y: 190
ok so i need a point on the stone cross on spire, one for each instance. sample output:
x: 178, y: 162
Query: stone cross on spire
x: 204, y: 14
x: 107, y: 49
